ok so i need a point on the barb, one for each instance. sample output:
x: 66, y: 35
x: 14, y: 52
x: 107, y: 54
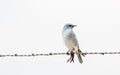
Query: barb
x: 50, y: 54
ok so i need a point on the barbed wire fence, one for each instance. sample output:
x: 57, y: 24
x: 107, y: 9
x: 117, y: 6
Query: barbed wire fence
x: 50, y: 54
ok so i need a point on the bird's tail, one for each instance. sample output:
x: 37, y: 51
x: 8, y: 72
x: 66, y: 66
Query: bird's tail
x: 79, y: 56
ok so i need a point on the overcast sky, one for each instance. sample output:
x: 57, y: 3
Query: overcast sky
x: 35, y: 26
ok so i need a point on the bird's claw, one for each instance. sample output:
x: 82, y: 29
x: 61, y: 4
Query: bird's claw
x: 71, y: 59
x: 68, y: 52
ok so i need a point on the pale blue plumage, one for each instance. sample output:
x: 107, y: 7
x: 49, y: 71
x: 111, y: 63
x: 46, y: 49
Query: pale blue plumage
x: 70, y: 41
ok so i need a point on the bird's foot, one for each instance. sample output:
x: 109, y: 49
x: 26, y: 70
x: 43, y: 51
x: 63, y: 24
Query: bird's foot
x: 68, y: 52
x: 83, y: 54
x: 71, y: 59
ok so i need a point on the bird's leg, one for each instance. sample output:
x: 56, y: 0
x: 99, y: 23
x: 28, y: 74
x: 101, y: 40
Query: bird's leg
x: 71, y: 59
x: 72, y: 56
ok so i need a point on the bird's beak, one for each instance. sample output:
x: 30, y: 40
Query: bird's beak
x: 74, y: 25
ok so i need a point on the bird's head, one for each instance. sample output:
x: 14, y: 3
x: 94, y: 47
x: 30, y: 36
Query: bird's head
x: 69, y: 26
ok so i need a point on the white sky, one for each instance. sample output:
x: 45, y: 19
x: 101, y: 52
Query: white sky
x: 35, y: 26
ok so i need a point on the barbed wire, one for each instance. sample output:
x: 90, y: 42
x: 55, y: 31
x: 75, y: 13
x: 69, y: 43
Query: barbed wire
x: 50, y: 54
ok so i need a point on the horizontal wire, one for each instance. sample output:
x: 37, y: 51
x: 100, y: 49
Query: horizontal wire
x: 50, y: 54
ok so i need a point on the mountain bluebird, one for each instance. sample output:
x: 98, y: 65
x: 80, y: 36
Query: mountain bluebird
x: 71, y: 42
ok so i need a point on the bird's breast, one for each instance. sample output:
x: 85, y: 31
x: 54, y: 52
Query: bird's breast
x: 69, y: 39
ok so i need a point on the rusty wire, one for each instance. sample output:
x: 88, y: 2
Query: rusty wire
x: 50, y: 54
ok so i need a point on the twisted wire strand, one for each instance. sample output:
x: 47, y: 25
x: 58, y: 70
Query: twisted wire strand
x: 50, y: 54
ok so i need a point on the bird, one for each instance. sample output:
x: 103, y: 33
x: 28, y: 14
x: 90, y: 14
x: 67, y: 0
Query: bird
x: 71, y: 42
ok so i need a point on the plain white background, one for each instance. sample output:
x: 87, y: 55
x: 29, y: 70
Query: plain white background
x: 35, y: 26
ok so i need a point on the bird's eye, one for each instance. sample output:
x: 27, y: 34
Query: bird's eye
x: 70, y: 25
